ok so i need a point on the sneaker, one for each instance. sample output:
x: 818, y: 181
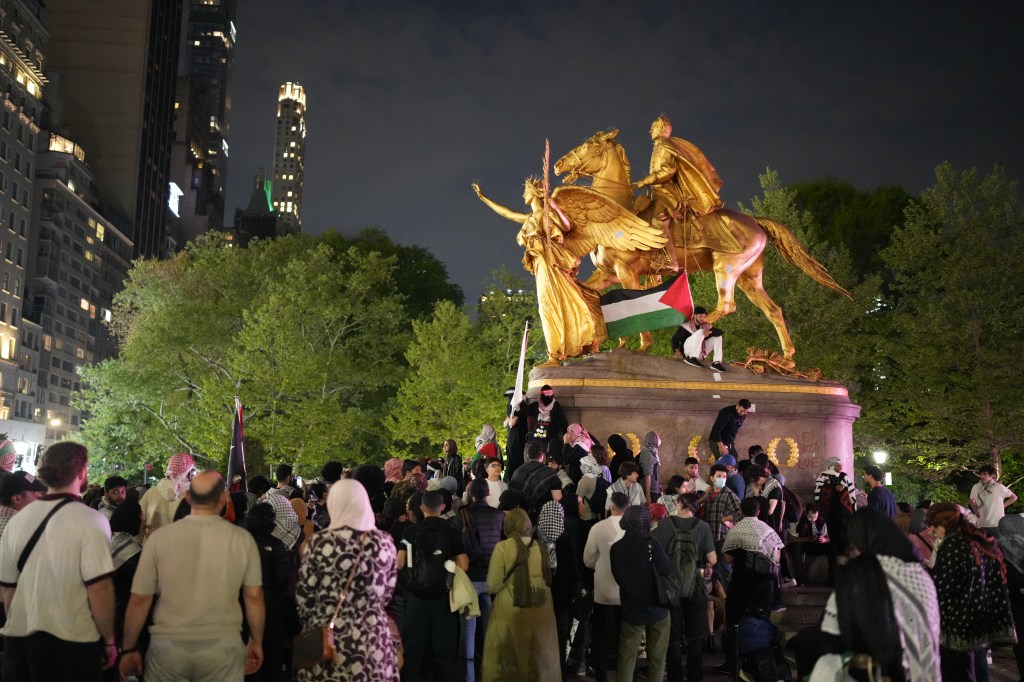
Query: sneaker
x: 694, y: 362
x: 717, y: 366
x: 724, y: 668
x: 779, y: 608
x: 789, y: 582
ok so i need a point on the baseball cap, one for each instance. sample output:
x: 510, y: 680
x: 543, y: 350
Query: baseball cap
x: 20, y: 482
x: 726, y: 461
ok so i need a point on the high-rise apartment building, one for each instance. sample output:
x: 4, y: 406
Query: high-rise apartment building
x: 113, y: 66
x: 80, y: 260
x: 23, y: 44
x: 202, y: 109
x: 289, y: 157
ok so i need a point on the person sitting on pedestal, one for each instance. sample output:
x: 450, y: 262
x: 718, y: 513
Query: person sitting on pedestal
x: 696, y: 339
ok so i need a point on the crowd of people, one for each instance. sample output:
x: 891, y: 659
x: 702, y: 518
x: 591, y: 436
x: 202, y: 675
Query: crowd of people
x: 555, y: 557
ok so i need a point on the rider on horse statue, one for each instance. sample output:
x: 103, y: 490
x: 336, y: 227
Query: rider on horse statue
x: 685, y: 186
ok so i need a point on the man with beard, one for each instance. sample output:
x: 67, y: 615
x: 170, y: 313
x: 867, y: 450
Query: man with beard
x: 545, y: 418
x: 57, y: 587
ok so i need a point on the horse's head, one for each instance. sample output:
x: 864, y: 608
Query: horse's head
x: 587, y: 159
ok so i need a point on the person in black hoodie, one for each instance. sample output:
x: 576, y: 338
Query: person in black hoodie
x: 484, y: 523
x: 281, y: 616
x: 634, y: 560
x: 622, y: 454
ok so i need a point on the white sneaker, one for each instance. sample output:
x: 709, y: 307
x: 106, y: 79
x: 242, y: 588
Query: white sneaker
x: 789, y: 583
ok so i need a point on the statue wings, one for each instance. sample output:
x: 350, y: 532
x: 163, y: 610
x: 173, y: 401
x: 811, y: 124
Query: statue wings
x: 597, y: 220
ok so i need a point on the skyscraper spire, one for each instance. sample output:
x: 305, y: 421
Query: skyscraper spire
x: 289, y: 157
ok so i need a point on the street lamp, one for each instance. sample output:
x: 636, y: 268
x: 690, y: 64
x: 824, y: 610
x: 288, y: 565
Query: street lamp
x: 880, y: 456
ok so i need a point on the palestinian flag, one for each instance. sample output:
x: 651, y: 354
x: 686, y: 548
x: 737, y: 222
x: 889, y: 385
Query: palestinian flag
x: 236, y: 452
x: 631, y: 311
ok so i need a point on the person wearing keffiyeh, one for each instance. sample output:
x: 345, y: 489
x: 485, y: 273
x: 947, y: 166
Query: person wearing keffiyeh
x: 286, y: 521
x: 160, y: 502
x: 970, y: 580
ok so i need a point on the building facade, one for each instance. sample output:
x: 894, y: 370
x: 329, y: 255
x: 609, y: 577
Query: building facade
x: 289, y: 157
x: 113, y: 67
x: 80, y: 261
x: 23, y: 44
x: 202, y: 117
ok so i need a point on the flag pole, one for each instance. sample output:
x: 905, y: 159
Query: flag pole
x: 517, y: 393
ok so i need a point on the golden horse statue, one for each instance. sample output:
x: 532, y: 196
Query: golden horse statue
x: 604, y: 160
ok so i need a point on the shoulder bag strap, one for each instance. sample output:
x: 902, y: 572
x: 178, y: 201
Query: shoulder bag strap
x: 39, y: 532
x: 348, y: 583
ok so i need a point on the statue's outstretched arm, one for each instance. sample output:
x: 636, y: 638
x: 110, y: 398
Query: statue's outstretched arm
x: 503, y: 211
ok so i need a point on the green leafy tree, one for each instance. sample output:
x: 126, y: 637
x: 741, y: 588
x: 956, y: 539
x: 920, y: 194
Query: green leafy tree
x: 946, y: 389
x: 308, y: 334
x: 828, y: 330
x: 862, y: 221
x: 454, y: 384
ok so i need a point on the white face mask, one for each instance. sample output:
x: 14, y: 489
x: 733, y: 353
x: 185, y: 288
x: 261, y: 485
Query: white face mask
x: 719, y: 482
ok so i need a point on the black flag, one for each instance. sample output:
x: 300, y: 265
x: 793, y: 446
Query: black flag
x: 236, y: 455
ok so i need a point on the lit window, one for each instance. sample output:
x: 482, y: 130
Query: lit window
x: 88, y: 255
x: 289, y: 192
x: 197, y: 43
x: 292, y: 143
x: 84, y: 304
x: 99, y: 231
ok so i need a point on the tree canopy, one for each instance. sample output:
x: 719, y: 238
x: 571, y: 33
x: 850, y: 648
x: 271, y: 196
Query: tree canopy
x: 308, y: 332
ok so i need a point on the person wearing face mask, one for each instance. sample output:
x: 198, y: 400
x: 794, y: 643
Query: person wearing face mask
x: 545, y: 418
x: 720, y: 509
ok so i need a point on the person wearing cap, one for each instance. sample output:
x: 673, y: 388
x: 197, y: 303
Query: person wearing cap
x: 696, y: 339
x: 115, y: 490
x: 733, y: 480
x: 485, y: 523
x: 879, y: 497
x: 160, y: 502
x: 17, y: 491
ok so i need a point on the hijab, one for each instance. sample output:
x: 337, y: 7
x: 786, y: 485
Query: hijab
x: 579, y: 436
x: 517, y: 526
x: 618, y: 445
x: 349, y: 506
x: 286, y: 521
x: 950, y: 516
x: 636, y: 521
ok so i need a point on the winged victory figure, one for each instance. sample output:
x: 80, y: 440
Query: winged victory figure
x: 556, y: 233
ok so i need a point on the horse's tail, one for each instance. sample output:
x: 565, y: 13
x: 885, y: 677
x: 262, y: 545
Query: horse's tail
x: 795, y: 254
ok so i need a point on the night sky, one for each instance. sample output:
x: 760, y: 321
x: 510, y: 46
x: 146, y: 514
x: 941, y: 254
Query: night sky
x: 409, y: 102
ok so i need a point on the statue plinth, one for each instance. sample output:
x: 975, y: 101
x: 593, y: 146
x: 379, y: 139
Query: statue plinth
x: 627, y: 392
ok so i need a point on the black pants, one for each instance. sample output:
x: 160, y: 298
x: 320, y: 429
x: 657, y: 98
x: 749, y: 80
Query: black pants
x: 957, y: 666
x: 41, y: 657
x: 800, y: 551
x: 689, y: 631
x: 430, y: 622
x: 605, y: 638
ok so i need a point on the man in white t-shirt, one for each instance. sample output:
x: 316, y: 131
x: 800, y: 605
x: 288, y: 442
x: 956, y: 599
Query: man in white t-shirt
x: 990, y: 498
x: 58, y: 592
x: 607, y: 605
x: 197, y: 565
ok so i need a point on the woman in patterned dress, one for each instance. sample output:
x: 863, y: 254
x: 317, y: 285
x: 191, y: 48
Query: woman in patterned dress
x: 362, y: 634
x: 974, y: 600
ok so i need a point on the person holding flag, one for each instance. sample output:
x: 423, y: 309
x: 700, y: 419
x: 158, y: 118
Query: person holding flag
x: 696, y: 339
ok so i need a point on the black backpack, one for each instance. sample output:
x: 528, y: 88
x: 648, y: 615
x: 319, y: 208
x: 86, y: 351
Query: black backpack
x: 600, y: 496
x: 431, y: 548
x: 685, y: 555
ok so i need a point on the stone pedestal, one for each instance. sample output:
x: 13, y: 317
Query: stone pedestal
x: 627, y: 392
